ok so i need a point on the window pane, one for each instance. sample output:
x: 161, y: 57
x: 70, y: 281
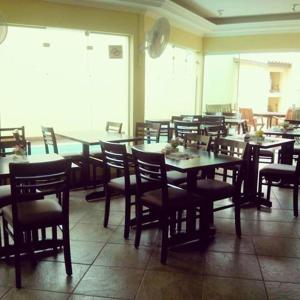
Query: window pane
x: 171, y: 82
x: 62, y: 78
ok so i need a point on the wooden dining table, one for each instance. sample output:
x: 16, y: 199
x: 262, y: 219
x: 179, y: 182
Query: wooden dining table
x: 191, y: 161
x: 89, y: 138
x: 269, y: 115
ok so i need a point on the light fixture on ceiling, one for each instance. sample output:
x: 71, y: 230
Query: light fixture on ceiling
x: 294, y: 7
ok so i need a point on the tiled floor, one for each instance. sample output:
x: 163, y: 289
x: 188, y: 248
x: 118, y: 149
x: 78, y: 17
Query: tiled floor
x: 263, y: 264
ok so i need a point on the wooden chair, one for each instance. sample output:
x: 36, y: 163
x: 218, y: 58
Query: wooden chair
x: 165, y: 201
x: 215, y: 125
x: 30, y: 211
x: 5, y: 199
x: 115, y: 157
x: 181, y: 128
x: 149, y: 131
x: 12, y: 136
x: 273, y: 174
x: 113, y: 127
x: 247, y: 114
x: 164, y: 130
x: 176, y: 118
x: 51, y: 146
x: 194, y: 140
x: 216, y: 190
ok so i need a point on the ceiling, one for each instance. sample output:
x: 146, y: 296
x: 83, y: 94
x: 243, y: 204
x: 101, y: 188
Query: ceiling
x: 214, y: 17
x: 241, y: 11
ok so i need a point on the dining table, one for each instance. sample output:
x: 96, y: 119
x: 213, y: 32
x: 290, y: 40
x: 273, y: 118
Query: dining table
x: 269, y: 115
x: 251, y: 196
x: 89, y: 138
x: 191, y: 161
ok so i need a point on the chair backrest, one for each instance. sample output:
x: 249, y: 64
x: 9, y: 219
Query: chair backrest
x: 33, y: 181
x: 164, y: 130
x: 49, y: 140
x: 113, y: 126
x: 150, y: 131
x: 181, y: 128
x: 12, y: 137
x: 191, y: 118
x: 197, y: 141
x: 215, y: 125
x: 219, y: 107
x: 236, y: 149
x: 115, y: 157
x: 176, y: 118
x: 150, y: 167
x: 247, y: 114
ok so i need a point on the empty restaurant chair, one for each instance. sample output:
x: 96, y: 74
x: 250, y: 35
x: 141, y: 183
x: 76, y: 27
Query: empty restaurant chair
x: 166, y: 201
x: 115, y: 158
x: 274, y: 174
x: 51, y: 146
x: 148, y: 131
x: 32, y: 209
x: 164, y: 130
x: 216, y: 190
x: 181, y: 128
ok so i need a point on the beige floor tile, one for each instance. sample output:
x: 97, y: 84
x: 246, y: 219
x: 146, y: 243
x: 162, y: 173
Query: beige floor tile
x: 3, y: 290
x: 97, y: 217
x: 83, y: 297
x: 280, y: 269
x: 110, y: 282
x: 122, y: 255
x: 91, y: 232
x: 283, y: 291
x: 24, y: 294
x: 170, y: 286
x: 220, y: 288
x: 232, y: 265
x: 182, y: 261
x: 268, y: 246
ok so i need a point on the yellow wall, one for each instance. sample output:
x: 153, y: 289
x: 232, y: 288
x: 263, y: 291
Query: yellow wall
x: 252, y: 43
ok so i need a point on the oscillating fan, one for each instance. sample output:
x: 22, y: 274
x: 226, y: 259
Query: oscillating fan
x: 3, y: 28
x: 157, y: 38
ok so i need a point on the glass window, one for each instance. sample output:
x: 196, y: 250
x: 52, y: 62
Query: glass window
x: 62, y: 78
x: 171, y: 83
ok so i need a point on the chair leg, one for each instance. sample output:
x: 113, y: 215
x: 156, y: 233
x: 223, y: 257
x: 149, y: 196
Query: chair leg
x: 94, y: 175
x: 17, y: 246
x: 54, y: 238
x: 269, y: 189
x: 107, y: 206
x: 295, y: 199
x: 259, y: 190
x: 5, y: 237
x: 139, y: 212
x: 127, y: 215
x: 237, y: 215
x: 67, y: 250
x: 164, y: 242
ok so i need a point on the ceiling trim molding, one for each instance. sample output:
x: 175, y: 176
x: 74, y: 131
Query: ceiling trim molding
x: 274, y: 27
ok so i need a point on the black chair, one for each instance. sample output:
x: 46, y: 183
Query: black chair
x: 215, y: 125
x: 164, y: 130
x: 5, y: 199
x: 115, y: 157
x: 165, y: 201
x: 181, y: 128
x: 275, y: 174
x: 31, y: 210
x: 96, y: 157
x: 12, y: 137
x: 149, y: 131
x: 113, y: 126
x: 194, y: 140
x: 216, y: 190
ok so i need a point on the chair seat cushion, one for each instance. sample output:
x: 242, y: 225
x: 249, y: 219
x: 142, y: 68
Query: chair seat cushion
x: 37, y: 212
x: 278, y: 170
x: 214, y: 189
x: 178, y: 198
x: 119, y: 184
x: 175, y: 177
x: 5, y: 195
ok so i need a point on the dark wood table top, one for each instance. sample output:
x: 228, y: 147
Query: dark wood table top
x: 268, y: 142
x: 267, y: 114
x: 5, y: 161
x: 92, y: 137
x: 198, y: 159
x: 281, y: 131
